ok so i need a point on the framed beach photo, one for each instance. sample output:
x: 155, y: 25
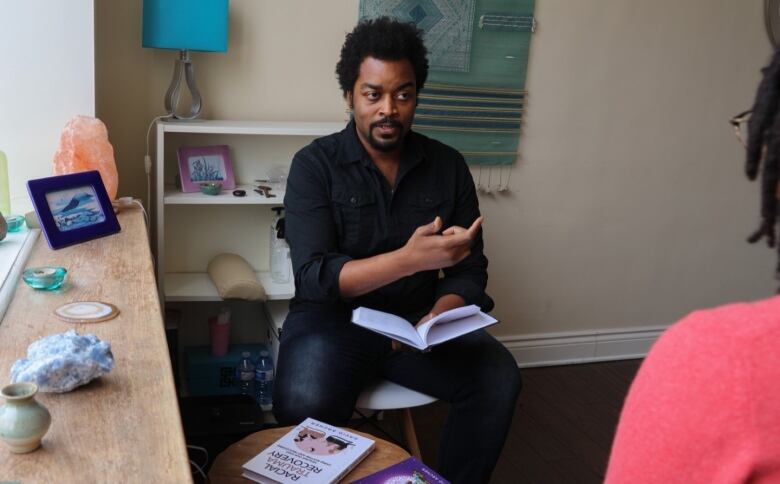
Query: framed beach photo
x: 72, y: 208
x: 205, y: 164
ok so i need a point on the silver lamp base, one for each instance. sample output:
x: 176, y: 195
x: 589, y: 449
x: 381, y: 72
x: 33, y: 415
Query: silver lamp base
x: 183, y: 69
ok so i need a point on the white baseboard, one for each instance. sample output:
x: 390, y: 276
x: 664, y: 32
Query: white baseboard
x: 548, y: 349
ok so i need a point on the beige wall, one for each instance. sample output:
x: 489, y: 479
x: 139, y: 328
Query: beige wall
x: 628, y: 207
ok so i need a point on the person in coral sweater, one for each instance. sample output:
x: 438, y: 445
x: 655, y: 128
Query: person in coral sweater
x: 705, y: 405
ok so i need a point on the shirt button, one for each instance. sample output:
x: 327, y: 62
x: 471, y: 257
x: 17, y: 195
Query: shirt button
x: 353, y: 200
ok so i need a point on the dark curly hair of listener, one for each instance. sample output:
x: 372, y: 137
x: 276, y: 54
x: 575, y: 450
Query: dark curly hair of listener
x: 763, y: 148
x: 385, y: 39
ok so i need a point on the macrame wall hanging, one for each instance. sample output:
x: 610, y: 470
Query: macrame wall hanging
x: 475, y: 96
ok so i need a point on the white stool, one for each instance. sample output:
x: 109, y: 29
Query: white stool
x: 385, y: 395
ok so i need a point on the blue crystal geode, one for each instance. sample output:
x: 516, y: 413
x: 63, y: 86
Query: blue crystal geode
x: 61, y: 362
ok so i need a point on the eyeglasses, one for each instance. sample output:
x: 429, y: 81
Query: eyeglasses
x: 739, y: 122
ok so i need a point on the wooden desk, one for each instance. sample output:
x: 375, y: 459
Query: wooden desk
x: 121, y: 427
x: 227, y: 466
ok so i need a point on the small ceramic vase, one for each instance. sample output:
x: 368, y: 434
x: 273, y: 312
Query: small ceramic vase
x: 23, y: 421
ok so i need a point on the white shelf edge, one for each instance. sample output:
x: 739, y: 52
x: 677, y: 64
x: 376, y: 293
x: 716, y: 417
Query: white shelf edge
x: 173, y: 196
x: 15, y: 251
x: 279, y: 128
x: 276, y: 312
x: 197, y: 286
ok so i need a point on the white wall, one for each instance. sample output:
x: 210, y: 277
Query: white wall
x: 628, y: 207
x: 47, y: 76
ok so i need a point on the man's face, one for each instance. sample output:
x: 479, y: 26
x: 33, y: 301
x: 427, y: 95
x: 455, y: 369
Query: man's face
x: 383, y: 101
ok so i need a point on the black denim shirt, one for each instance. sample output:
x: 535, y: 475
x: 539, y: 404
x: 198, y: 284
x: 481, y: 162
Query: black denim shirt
x: 340, y: 207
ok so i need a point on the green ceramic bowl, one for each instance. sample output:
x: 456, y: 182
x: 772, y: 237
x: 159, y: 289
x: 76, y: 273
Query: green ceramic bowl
x: 211, y: 188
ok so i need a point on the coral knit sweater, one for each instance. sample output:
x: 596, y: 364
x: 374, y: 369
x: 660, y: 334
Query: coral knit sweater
x: 705, y: 405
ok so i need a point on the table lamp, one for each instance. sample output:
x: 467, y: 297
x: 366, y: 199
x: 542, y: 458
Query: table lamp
x: 185, y: 25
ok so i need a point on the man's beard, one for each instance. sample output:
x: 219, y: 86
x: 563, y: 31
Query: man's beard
x: 383, y: 145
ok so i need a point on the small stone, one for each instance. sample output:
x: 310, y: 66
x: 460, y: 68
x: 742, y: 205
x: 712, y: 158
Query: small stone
x: 31, y: 219
x: 84, y: 146
x: 63, y: 361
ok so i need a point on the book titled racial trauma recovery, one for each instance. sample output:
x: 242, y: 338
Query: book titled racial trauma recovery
x: 312, y: 452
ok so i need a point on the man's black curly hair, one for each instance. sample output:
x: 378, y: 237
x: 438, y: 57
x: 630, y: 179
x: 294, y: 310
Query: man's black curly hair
x: 383, y: 38
x: 763, y: 146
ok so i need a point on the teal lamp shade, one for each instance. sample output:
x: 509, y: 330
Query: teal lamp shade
x: 200, y: 25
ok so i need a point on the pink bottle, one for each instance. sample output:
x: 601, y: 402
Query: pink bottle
x: 219, y: 332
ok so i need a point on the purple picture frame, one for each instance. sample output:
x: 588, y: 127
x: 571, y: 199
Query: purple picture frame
x: 73, y: 208
x: 202, y: 164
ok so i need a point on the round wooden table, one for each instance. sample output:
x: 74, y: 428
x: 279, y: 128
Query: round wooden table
x: 227, y: 466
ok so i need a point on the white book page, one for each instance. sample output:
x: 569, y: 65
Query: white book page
x: 389, y: 325
x: 449, y: 330
x: 445, y: 317
x: 253, y: 476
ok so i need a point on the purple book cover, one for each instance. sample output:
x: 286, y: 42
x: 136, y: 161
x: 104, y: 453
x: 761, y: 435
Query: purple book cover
x: 410, y: 471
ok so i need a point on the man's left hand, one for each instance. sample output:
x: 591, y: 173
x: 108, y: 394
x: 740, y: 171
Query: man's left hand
x: 398, y: 346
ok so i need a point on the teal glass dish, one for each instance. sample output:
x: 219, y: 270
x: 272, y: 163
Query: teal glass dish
x: 211, y: 188
x: 45, y: 278
x: 14, y: 222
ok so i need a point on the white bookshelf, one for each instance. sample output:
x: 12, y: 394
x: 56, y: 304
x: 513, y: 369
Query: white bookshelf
x: 196, y: 285
x: 275, y: 314
x: 199, y: 226
x: 272, y: 128
x: 174, y: 196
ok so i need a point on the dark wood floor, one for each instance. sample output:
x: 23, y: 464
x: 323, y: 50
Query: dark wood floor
x: 561, y: 432
x: 563, y: 425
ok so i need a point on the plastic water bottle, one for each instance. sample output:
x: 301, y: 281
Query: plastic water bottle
x: 264, y: 379
x: 279, y: 251
x: 245, y: 374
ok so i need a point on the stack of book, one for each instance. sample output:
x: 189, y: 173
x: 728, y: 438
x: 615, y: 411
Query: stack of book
x: 315, y: 452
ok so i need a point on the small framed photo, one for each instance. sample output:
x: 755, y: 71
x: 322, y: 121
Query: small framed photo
x: 73, y: 208
x: 205, y: 164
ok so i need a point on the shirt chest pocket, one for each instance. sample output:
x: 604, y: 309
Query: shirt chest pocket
x: 356, y: 216
x: 424, y: 207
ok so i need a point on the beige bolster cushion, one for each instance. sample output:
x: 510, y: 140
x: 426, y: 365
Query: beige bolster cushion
x: 235, y: 279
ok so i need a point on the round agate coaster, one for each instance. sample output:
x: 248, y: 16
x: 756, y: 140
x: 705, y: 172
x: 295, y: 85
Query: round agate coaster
x: 86, y: 312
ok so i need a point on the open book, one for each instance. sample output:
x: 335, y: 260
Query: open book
x: 444, y: 327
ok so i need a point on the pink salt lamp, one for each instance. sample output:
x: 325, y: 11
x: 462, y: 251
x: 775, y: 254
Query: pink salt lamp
x: 84, y: 146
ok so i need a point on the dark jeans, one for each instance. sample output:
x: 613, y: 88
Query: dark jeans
x: 324, y: 362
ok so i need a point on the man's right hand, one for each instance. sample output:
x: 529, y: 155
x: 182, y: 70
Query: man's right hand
x: 428, y: 249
